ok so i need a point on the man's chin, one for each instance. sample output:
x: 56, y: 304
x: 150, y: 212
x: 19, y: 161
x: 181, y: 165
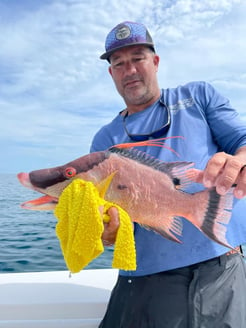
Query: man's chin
x: 137, y: 99
x: 135, y: 95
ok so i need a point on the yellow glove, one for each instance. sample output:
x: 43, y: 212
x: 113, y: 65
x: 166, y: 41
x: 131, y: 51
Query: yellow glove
x: 80, y: 228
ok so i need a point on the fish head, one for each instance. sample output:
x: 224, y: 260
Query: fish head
x: 52, y: 181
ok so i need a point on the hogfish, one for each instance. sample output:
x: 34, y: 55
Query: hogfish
x: 149, y: 190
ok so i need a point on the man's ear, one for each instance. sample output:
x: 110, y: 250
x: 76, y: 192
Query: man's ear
x: 110, y: 70
x: 156, y: 61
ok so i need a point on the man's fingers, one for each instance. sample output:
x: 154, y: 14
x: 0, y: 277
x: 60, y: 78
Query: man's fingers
x: 111, y: 227
x: 229, y: 175
x: 214, y: 167
x: 240, y: 189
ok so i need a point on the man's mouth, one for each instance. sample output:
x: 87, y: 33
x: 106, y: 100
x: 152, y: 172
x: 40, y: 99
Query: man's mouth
x: 131, y: 84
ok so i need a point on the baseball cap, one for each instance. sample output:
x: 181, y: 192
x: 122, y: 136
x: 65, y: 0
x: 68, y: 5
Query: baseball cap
x: 126, y: 34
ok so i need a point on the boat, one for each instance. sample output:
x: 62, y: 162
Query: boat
x: 55, y: 299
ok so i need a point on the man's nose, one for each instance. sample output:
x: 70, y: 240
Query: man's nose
x: 130, y: 68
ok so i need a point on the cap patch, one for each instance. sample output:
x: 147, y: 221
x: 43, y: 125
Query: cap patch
x: 123, y: 33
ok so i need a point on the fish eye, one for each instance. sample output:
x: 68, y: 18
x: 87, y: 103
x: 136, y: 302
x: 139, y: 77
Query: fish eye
x: 70, y: 172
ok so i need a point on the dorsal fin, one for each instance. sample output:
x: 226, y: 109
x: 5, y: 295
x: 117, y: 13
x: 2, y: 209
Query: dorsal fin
x: 151, y: 143
x: 176, y: 170
x: 137, y: 155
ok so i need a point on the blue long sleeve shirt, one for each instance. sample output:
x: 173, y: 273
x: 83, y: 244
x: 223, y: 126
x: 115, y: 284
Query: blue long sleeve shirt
x: 208, y: 124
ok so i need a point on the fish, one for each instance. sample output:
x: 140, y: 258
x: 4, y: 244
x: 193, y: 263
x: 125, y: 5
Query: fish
x: 151, y: 191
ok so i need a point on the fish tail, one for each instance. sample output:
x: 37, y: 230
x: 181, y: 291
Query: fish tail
x: 215, y: 215
x: 153, y: 142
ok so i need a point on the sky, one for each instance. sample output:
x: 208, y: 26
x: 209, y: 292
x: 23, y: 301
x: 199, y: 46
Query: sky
x: 55, y: 92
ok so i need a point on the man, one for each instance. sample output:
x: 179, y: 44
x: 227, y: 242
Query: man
x: 198, y: 283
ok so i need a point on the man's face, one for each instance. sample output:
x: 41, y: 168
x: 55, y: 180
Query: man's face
x: 133, y: 70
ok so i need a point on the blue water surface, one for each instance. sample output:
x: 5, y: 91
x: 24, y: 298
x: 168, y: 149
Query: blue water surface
x: 28, y: 240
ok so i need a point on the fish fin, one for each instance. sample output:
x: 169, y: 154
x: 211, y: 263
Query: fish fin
x: 178, y: 174
x: 195, y: 175
x: 153, y: 142
x: 103, y: 185
x: 175, y: 170
x: 170, y: 226
x: 216, y: 216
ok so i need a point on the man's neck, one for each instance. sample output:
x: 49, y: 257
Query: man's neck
x: 132, y: 108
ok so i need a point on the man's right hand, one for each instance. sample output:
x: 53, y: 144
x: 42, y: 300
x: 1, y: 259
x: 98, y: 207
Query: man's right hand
x: 111, y: 227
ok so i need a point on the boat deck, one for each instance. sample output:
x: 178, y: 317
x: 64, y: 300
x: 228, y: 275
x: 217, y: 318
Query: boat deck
x: 55, y: 299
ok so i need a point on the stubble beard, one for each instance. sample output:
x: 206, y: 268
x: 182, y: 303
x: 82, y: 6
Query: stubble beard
x: 138, y: 97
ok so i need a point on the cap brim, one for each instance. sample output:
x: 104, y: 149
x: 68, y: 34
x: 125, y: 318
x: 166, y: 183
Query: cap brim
x: 107, y: 54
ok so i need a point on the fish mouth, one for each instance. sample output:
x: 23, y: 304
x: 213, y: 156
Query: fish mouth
x: 45, y: 202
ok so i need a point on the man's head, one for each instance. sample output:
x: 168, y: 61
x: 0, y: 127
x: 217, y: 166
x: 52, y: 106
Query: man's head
x: 126, y: 34
x: 133, y: 65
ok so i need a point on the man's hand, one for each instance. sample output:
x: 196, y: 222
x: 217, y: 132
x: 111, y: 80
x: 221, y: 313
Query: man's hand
x: 224, y: 171
x: 111, y: 228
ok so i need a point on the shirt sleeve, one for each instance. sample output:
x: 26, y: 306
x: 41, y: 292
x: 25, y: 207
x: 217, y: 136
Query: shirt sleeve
x: 228, y: 128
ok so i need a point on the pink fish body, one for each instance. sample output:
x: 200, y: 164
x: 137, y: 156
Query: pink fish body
x: 148, y: 189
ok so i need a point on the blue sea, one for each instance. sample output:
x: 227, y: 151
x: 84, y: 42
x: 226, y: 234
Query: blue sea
x: 28, y: 240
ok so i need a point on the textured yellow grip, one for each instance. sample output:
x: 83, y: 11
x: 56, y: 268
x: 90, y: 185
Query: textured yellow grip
x: 80, y: 227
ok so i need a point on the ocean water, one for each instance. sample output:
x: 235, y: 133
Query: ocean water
x: 28, y: 240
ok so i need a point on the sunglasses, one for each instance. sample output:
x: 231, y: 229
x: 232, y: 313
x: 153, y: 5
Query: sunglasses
x: 154, y: 134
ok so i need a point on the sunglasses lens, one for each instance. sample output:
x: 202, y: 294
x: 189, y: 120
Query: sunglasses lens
x: 136, y: 137
x: 160, y: 132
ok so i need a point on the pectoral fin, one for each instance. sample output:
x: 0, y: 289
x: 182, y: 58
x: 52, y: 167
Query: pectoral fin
x: 103, y: 186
